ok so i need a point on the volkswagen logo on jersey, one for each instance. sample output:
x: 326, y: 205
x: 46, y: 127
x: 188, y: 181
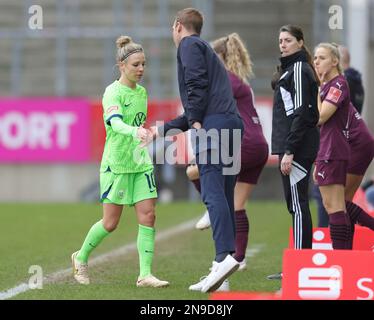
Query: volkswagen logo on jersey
x: 139, y: 119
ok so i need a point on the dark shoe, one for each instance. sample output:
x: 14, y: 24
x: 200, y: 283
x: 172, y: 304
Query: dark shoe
x: 275, y: 276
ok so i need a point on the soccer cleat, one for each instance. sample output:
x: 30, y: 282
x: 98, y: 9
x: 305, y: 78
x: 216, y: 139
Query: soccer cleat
x: 220, y: 271
x: 204, y: 222
x: 275, y: 276
x: 225, y: 286
x: 242, y: 265
x: 152, y: 282
x: 80, y: 270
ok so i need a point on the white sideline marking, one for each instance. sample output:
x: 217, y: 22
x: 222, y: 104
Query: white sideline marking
x: 61, y: 274
x: 253, y: 250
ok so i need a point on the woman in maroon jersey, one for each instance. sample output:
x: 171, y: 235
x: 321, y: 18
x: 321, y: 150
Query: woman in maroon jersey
x: 361, y: 142
x: 333, y: 160
x: 254, y: 149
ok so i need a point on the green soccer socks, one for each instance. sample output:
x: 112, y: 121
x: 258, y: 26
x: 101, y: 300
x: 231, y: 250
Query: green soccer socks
x: 146, y: 246
x: 94, y: 237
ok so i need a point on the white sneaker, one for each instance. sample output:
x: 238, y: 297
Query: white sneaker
x: 151, y: 281
x: 204, y: 222
x: 80, y: 270
x: 225, y: 286
x: 242, y: 265
x: 220, y: 271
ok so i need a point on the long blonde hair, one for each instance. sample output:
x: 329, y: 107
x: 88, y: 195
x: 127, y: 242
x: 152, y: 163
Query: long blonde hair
x: 333, y: 48
x: 234, y: 55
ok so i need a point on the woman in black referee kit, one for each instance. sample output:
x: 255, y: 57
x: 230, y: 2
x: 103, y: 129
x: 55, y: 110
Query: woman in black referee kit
x: 295, y: 136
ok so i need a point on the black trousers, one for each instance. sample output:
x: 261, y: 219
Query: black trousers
x: 295, y: 187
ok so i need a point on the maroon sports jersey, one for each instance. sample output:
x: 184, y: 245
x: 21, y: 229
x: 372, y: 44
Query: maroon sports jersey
x: 253, y: 135
x: 333, y: 133
x: 359, y: 134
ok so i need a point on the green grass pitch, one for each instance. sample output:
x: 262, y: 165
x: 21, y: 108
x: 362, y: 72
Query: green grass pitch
x: 47, y: 234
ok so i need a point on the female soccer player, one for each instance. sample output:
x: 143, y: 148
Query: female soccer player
x: 361, y: 143
x: 254, y: 148
x: 332, y: 160
x: 126, y: 172
x: 346, y: 149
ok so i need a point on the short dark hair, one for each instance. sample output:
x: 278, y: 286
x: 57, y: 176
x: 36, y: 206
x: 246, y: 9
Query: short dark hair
x: 191, y: 18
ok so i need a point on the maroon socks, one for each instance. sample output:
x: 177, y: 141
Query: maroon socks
x: 241, y: 238
x: 358, y: 215
x: 340, y: 230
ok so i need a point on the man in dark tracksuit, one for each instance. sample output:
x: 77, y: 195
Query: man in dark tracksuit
x: 295, y: 136
x: 208, y: 103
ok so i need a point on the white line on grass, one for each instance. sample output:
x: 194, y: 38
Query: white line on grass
x: 61, y: 274
x: 253, y: 250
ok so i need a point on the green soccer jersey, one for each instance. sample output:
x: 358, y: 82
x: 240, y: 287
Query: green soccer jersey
x: 122, y: 153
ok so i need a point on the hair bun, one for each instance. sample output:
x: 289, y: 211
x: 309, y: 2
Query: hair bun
x: 122, y: 41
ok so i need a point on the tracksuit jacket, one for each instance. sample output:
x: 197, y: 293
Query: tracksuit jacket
x: 295, y: 109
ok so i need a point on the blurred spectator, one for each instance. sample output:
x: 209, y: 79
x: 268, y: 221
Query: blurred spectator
x: 368, y: 187
x: 353, y: 78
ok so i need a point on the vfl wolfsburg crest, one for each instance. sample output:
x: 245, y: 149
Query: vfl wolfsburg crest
x: 121, y: 193
x: 139, y: 119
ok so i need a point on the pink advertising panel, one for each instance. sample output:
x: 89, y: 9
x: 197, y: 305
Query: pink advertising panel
x: 44, y: 130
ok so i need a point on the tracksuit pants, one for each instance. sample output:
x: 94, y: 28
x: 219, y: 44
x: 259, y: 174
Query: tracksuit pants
x: 295, y: 187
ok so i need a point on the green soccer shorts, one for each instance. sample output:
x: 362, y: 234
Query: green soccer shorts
x: 127, y: 188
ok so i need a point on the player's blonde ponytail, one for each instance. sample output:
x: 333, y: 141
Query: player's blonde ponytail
x: 126, y: 47
x: 235, y: 56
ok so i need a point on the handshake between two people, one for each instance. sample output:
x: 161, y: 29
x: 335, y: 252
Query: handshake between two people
x: 146, y: 136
